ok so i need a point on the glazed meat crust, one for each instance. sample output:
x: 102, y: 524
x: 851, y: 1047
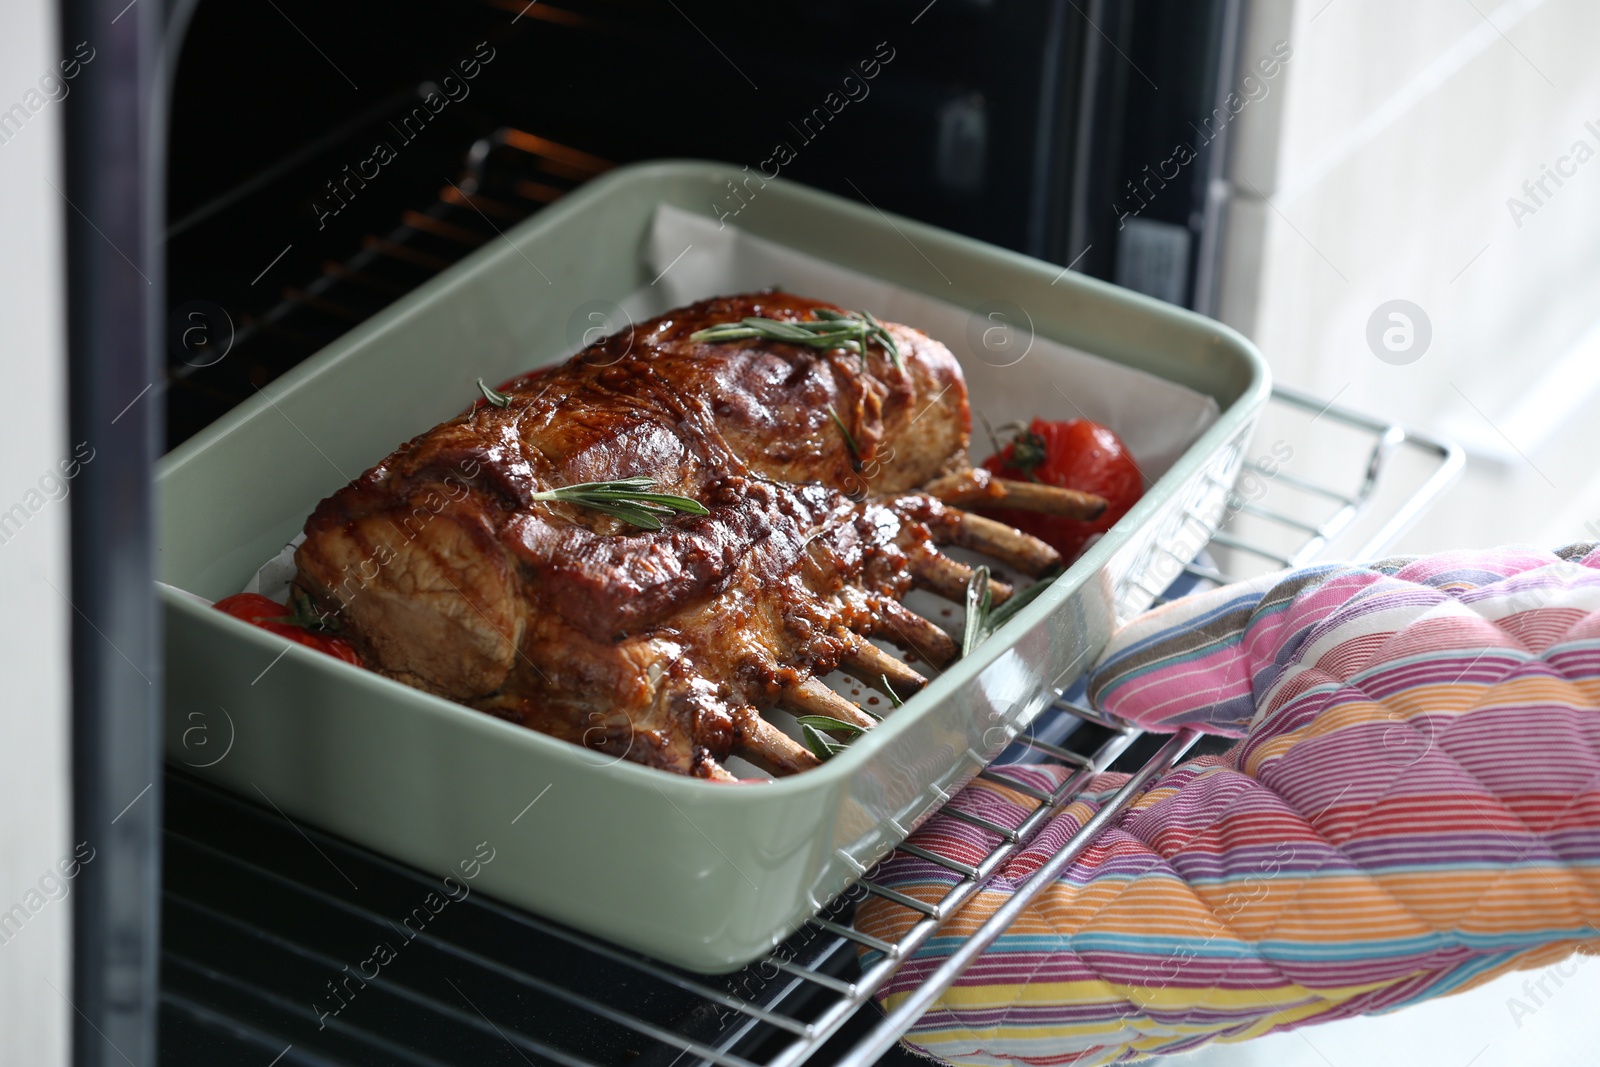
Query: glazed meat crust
x: 656, y: 645
x: 770, y: 401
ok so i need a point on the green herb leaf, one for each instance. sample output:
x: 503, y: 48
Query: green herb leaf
x: 494, y: 396
x: 852, y: 331
x: 1002, y: 615
x: 984, y: 619
x: 849, y: 438
x: 888, y: 691
x: 778, y: 330
x: 821, y: 745
x: 886, y: 339
x: 845, y: 326
x: 830, y: 724
x: 980, y: 602
x: 633, y: 500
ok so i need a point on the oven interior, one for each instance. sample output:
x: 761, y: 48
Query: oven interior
x: 324, y: 160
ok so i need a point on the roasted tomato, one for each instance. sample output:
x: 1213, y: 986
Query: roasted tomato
x: 271, y: 615
x: 1075, y: 454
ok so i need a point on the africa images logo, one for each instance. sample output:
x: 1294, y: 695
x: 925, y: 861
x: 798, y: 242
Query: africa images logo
x: 1399, y: 332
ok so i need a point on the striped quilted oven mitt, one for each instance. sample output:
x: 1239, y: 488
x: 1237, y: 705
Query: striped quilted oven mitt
x: 1413, y: 808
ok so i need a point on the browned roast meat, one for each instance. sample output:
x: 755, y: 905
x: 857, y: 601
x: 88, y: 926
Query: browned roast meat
x: 662, y: 645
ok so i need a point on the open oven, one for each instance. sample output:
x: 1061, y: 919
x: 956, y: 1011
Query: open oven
x: 275, y: 174
x: 321, y: 162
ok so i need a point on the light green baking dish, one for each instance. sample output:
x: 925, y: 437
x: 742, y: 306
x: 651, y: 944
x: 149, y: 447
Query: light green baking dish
x: 702, y: 875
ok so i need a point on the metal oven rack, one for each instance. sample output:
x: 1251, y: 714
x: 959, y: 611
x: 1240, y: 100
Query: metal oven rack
x: 256, y: 921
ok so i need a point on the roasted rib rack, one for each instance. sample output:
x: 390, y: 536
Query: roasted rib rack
x: 830, y: 477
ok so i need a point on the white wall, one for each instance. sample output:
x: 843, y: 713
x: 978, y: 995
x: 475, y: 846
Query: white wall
x: 1384, y: 167
x: 34, y: 617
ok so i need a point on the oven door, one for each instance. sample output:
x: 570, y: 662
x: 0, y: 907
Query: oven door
x: 36, y: 504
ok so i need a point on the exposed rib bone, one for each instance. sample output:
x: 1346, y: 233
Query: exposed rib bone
x: 1051, y: 499
x: 771, y: 749
x: 938, y: 573
x: 911, y: 632
x: 716, y: 772
x: 1023, y: 551
x: 874, y: 666
x: 980, y: 488
x: 811, y: 697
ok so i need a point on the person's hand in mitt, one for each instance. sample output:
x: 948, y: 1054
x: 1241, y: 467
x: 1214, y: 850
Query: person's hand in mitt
x: 1412, y: 809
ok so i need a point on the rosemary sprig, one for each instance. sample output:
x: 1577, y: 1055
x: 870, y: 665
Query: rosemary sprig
x: 870, y: 330
x: 888, y: 691
x: 980, y: 603
x: 821, y: 745
x: 494, y: 396
x: 877, y: 331
x: 633, y: 500
x: 830, y: 724
x: 818, y: 731
x: 983, y: 618
x: 1002, y: 615
x: 850, y: 330
x: 849, y: 438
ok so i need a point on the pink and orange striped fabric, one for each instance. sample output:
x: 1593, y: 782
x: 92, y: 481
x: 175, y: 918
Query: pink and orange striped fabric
x: 1413, y: 808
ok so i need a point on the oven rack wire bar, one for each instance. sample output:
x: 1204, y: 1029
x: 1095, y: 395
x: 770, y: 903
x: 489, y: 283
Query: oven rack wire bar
x: 809, y: 971
x: 895, y: 1024
x: 1390, y: 438
x: 1446, y: 458
x: 460, y: 218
